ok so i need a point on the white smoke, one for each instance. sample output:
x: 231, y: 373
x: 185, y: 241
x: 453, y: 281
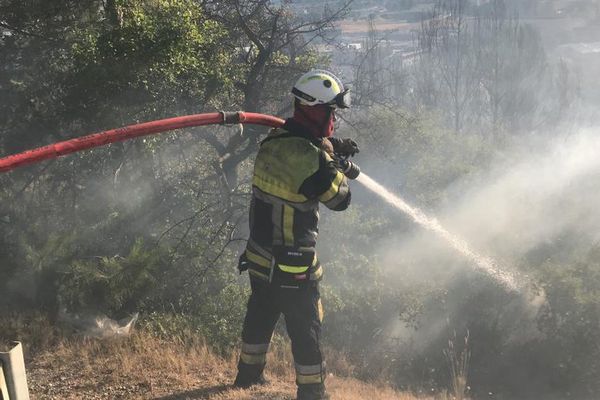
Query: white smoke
x: 539, y: 191
x: 484, y: 263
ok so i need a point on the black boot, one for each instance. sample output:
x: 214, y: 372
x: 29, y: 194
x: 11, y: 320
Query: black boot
x: 245, y: 382
x: 250, y: 375
x: 312, y: 392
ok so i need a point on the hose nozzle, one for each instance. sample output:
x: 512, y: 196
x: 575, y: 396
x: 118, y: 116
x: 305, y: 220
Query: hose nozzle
x: 350, y: 169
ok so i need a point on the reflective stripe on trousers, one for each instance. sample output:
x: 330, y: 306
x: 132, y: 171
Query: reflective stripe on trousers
x: 253, y: 354
x: 310, y: 374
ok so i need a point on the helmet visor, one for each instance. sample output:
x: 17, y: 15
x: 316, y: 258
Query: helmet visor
x: 342, y: 100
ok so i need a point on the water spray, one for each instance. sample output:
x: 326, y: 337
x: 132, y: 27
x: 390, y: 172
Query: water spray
x: 483, y: 263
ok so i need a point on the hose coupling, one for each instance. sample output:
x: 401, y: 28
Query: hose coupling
x: 350, y: 169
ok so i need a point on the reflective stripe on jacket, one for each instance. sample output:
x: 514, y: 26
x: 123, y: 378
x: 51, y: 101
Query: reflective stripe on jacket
x: 292, y: 174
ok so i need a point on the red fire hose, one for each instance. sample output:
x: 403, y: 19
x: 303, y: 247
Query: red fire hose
x: 129, y: 132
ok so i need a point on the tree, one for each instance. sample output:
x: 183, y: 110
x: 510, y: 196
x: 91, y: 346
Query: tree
x: 483, y: 68
x: 446, y: 41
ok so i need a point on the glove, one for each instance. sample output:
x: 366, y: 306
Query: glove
x: 344, y: 147
x: 348, y: 168
x: 243, y: 263
x: 327, y: 146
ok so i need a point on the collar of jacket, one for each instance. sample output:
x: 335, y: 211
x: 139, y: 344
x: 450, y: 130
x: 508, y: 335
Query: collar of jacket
x: 296, y: 129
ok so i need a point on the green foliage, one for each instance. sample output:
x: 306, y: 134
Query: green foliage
x: 160, y: 57
x: 570, y: 320
x: 115, y: 284
x: 105, y: 64
x: 217, y: 318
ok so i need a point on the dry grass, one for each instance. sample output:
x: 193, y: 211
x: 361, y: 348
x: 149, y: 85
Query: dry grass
x: 145, y: 367
x: 458, y: 359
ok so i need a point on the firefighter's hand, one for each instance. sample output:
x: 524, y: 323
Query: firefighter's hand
x: 327, y: 147
x: 243, y: 263
x: 344, y: 147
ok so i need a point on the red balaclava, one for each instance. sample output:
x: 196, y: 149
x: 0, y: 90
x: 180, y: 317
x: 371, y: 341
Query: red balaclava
x: 319, y: 119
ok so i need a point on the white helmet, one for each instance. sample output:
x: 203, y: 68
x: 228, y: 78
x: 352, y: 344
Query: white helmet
x: 321, y: 87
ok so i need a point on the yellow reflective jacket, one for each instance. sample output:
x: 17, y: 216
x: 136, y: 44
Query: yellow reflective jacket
x: 292, y: 174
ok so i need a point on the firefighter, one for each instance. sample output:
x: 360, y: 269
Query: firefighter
x: 297, y: 166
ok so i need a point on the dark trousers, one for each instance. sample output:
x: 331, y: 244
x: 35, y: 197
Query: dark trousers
x: 303, y: 313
